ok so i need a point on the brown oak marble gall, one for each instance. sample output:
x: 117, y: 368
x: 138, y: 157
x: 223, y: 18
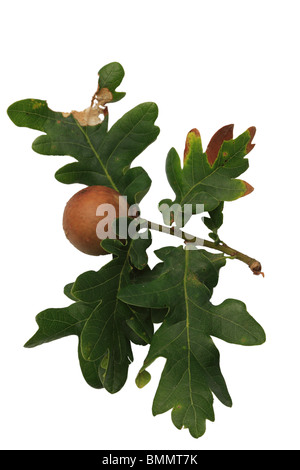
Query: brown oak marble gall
x: 80, y: 219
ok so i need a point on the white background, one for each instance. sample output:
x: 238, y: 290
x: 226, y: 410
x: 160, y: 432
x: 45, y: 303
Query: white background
x: 206, y: 64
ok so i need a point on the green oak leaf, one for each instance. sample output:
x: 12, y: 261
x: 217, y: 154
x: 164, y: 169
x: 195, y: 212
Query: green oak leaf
x: 184, y: 283
x: 105, y: 325
x: 104, y: 157
x: 206, y: 178
x: 110, y: 77
x: 56, y: 323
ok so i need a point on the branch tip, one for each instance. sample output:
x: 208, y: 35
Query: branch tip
x: 256, y: 268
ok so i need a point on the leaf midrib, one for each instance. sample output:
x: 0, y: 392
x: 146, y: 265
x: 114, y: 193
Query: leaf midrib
x: 188, y: 332
x: 97, y: 156
x: 104, y: 167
